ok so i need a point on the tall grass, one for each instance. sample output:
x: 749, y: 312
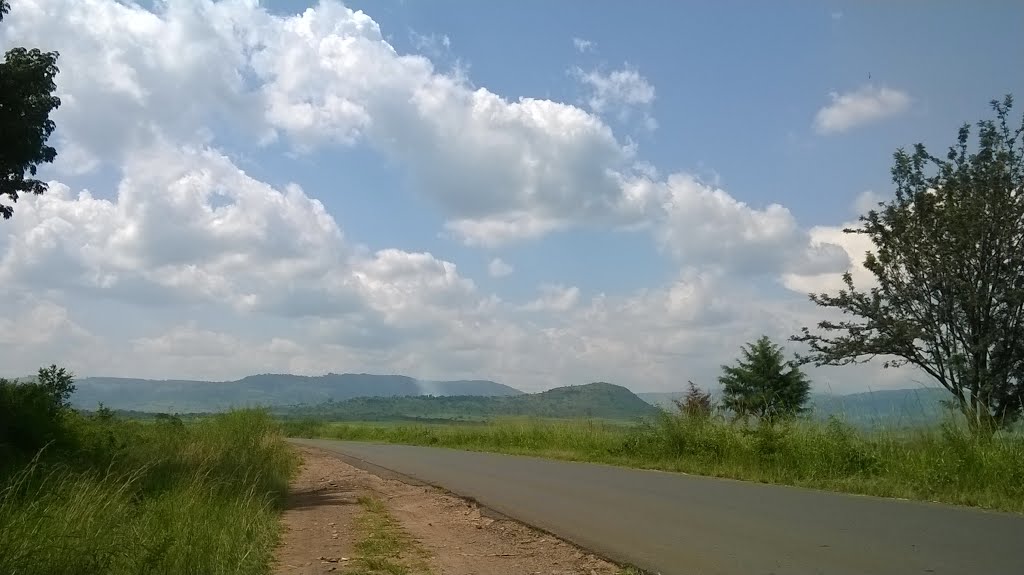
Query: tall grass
x: 936, y: 464
x: 158, y: 497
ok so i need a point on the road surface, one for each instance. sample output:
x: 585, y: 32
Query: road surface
x: 676, y: 524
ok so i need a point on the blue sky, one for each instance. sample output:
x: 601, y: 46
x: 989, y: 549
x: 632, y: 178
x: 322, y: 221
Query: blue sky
x: 539, y: 193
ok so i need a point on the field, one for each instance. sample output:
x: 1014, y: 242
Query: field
x: 124, y: 497
x: 941, y: 463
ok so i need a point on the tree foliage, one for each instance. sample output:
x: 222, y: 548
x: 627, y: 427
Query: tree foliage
x: 696, y: 403
x: 26, y: 100
x: 32, y: 413
x: 948, y: 262
x: 763, y: 384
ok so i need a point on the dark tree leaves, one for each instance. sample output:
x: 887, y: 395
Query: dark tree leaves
x: 26, y: 100
x: 763, y: 384
x: 948, y: 261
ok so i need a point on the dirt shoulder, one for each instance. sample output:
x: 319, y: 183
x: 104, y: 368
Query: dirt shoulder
x: 325, y: 530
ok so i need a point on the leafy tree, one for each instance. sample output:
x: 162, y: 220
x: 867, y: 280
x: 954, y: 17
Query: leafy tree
x: 764, y: 384
x: 696, y: 403
x: 949, y: 266
x: 26, y: 100
x: 58, y: 384
x: 33, y: 413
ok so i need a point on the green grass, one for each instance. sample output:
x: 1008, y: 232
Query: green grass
x: 159, y: 497
x: 935, y: 464
x: 384, y: 549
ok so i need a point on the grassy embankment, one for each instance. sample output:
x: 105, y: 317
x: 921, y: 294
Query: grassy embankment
x: 933, y: 464
x: 125, y: 497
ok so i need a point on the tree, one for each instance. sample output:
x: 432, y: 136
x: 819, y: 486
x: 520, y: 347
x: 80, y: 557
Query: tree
x: 26, y: 99
x: 764, y: 384
x: 696, y: 403
x: 948, y: 261
x: 58, y: 384
x: 34, y: 413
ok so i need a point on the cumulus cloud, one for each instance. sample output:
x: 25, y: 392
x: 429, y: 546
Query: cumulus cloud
x: 185, y: 224
x: 499, y: 169
x: 128, y: 74
x: 188, y: 233
x: 498, y: 268
x: 865, y: 105
x: 704, y: 225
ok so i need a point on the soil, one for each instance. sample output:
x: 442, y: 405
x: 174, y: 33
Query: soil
x: 319, y: 528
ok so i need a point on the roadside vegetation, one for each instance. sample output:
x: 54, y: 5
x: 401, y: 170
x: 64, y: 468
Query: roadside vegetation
x: 759, y: 432
x: 945, y: 463
x: 96, y: 494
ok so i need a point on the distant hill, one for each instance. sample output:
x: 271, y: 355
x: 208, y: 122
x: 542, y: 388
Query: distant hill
x: 885, y: 407
x: 467, y: 387
x: 597, y: 400
x: 267, y: 389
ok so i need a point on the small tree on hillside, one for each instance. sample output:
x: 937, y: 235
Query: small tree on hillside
x: 696, y: 403
x: 949, y: 266
x: 26, y: 99
x: 763, y: 384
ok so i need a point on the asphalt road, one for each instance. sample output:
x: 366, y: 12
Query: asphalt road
x: 677, y: 524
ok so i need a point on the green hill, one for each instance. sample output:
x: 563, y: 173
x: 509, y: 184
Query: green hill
x: 597, y: 400
x: 262, y: 390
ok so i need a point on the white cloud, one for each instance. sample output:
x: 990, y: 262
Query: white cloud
x: 855, y: 246
x: 621, y: 92
x: 583, y: 46
x: 127, y: 74
x: 498, y: 268
x: 866, y: 201
x: 186, y: 224
x: 865, y: 105
x: 499, y: 169
x: 705, y: 225
x: 557, y: 298
x: 242, y: 276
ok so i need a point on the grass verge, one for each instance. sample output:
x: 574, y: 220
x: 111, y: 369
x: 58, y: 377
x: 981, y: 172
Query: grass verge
x: 125, y: 497
x: 942, y: 464
x: 384, y: 548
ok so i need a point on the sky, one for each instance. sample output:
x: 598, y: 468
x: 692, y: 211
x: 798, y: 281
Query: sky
x: 537, y: 193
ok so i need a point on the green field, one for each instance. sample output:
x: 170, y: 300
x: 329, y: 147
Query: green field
x: 942, y: 463
x: 126, y: 497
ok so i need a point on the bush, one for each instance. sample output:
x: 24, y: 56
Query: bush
x: 140, y: 497
x: 33, y: 413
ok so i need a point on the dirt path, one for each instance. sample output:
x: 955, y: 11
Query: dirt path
x: 321, y: 533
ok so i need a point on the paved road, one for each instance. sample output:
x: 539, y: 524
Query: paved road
x: 677, y: 524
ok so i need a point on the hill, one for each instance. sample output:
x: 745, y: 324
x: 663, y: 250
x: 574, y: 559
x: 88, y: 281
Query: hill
x: 264, y: 390
x: 900, y: 407
x: 597, y: 400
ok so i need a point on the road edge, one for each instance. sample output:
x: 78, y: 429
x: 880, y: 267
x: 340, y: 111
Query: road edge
x: 387, y: 473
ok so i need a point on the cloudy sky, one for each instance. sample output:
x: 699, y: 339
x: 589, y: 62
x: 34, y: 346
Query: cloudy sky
x: 537, y: 193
